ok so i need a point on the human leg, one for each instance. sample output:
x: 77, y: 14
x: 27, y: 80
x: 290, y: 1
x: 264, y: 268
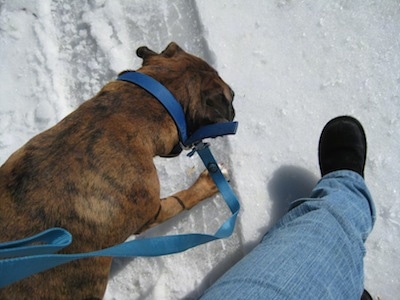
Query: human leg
x: 316, y: 250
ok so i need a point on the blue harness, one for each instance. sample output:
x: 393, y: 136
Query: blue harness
x: 22, y: 258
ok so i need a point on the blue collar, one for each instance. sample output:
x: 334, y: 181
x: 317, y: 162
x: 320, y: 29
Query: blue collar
x: 162, y: 94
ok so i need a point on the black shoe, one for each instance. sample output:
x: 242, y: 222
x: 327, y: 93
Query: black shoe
x: 342, y: 146
x: 366, y: 296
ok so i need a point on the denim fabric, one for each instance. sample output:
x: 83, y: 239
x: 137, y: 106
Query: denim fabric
x: 314, y: 252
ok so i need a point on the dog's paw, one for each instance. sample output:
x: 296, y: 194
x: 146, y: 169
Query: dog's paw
x: 211, y: 169
x: 204, y: 187
x: 224, y: 171
x: 206, y: 181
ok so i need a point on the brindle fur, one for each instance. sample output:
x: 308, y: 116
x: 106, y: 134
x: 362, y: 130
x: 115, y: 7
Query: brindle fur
x: 93, y: 172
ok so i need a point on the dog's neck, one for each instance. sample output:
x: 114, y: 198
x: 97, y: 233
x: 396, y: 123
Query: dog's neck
x: 155, y: 130
x: 166, y: 137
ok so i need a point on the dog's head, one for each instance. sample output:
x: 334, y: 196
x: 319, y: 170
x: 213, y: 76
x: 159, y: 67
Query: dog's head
x: 205, y: 97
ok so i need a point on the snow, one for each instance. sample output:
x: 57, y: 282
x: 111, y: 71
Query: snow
x: 294, y: 65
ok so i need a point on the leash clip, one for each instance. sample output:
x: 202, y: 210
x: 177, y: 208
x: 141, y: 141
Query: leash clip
x: 198, y: 147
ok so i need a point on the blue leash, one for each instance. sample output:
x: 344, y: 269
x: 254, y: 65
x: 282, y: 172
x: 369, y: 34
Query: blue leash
x: 22, y: 258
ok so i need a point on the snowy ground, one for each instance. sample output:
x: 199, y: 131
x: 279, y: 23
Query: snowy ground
x: 294, y: 65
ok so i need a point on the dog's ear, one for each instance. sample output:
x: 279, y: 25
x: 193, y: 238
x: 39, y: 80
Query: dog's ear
x: 171, y: 50
x: 144, y: 52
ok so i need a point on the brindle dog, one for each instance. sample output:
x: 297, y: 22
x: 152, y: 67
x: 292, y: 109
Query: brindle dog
x: 93, y: 172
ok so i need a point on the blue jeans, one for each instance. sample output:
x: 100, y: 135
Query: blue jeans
x: 314, y: 252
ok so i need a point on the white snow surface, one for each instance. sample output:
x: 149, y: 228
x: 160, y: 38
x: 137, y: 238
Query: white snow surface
x: 294, y: 65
